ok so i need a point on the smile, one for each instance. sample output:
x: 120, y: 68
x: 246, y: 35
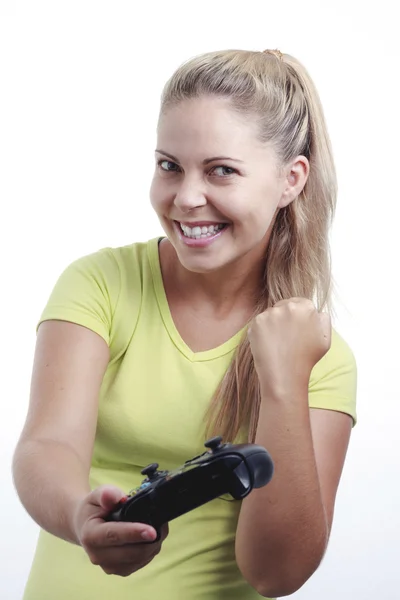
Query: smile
x: 201, y: 234
x: 198, y: 232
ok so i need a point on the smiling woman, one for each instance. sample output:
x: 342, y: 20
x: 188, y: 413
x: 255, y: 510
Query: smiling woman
x: 203, y: 186
x: 221, y: 326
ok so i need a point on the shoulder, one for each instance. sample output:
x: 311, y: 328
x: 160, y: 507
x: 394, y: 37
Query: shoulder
x: 333, y: 381
x: 339, y: 356
x: 111, y: 259
x: 110, y: 267
x: 91, y: 287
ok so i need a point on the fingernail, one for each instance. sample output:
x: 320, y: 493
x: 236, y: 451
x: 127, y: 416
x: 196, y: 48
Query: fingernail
x: 147, y: 535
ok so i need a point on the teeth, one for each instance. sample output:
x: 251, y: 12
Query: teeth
x: 201, y: 232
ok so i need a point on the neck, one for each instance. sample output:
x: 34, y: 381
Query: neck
x: 236, y: 287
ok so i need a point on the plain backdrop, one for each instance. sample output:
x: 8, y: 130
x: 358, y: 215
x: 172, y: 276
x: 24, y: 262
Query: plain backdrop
x: 79, y: 93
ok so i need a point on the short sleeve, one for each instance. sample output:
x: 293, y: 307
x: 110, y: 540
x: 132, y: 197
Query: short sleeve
x: 333, y: 381
x: 86, y: 293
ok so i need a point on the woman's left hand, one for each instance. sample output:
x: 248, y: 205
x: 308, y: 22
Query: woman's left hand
x: 287, y: 340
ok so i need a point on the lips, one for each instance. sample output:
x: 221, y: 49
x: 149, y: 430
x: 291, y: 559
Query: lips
x: 200, y: 223
x: 199, y: 236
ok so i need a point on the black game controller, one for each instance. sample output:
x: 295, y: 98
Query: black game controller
x: 222, y: 469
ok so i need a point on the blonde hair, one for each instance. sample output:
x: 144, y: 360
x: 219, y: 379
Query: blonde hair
x: 277, y: 90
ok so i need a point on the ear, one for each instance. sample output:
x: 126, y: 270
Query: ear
x: 295, y: 177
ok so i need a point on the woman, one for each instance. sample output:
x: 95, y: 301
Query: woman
x: 221, y: 327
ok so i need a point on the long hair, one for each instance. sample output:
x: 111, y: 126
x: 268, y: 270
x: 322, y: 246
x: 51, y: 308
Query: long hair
x: 277, y: 90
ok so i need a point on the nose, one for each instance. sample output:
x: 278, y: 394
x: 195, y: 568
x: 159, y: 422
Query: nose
x: 189, y: 196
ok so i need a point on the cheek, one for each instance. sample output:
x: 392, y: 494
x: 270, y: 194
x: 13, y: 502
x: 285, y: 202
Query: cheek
x: 253, y: 213
x: 157, y: 196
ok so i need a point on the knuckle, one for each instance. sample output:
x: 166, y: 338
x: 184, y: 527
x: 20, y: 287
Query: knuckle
x: 280, y: 303
x: 83, y: 541
x: 85, y: 537
x: 143, y: 563
x: 86, y: 540
x: 260, y: 318
x: 326, y: 319
x: 146, y: 562
x: 94, y: 559
x: 300, y: 305
x: 156, y: 550
x: 112, y: 536
x: 117, y: 570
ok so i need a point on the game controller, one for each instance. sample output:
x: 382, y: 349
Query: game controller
x: 222, y: 469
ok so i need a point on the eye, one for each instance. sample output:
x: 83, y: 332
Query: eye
x: 167, y: 165
x: 223, y: 171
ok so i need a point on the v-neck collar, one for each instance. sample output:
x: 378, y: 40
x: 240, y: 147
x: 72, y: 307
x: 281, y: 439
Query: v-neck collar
x: 213, y: 353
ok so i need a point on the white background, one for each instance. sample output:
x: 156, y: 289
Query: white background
x: 79, y: 91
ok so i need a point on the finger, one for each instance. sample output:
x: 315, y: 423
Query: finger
x: 109, y: 497
x: 130, y: 554
x: 124, y: 570
x: 294, y: 300
x: 105, y: 497
x: 117, y: 534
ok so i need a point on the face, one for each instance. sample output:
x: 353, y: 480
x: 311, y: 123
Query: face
x: 217, y: 188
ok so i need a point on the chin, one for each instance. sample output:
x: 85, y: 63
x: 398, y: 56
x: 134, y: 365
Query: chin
x: 200, y: 266
x: 204, y: 265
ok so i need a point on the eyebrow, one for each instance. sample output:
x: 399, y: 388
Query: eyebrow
x: 205, y: 161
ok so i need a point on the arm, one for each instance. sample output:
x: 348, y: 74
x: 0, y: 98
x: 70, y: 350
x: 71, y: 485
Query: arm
x: 284, y: 527
x: 52, y: 459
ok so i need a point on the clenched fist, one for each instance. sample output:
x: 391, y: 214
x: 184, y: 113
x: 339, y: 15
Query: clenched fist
x: 287, y: 340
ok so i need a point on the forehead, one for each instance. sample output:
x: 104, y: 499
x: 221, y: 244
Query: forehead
x: 210, y: 124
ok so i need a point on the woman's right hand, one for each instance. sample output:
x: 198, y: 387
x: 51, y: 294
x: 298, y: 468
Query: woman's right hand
x: 119, y: 548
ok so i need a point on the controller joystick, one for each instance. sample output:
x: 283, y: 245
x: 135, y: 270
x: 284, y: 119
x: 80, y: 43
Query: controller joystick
x: 223, y: 469
x: 151, y: 471
x: 214, y: 443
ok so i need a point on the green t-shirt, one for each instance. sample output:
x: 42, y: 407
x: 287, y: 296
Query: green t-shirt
x: 151, y: 409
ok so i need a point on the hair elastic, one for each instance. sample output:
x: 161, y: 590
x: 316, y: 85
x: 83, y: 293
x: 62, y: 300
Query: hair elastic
x: 276, y: 53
